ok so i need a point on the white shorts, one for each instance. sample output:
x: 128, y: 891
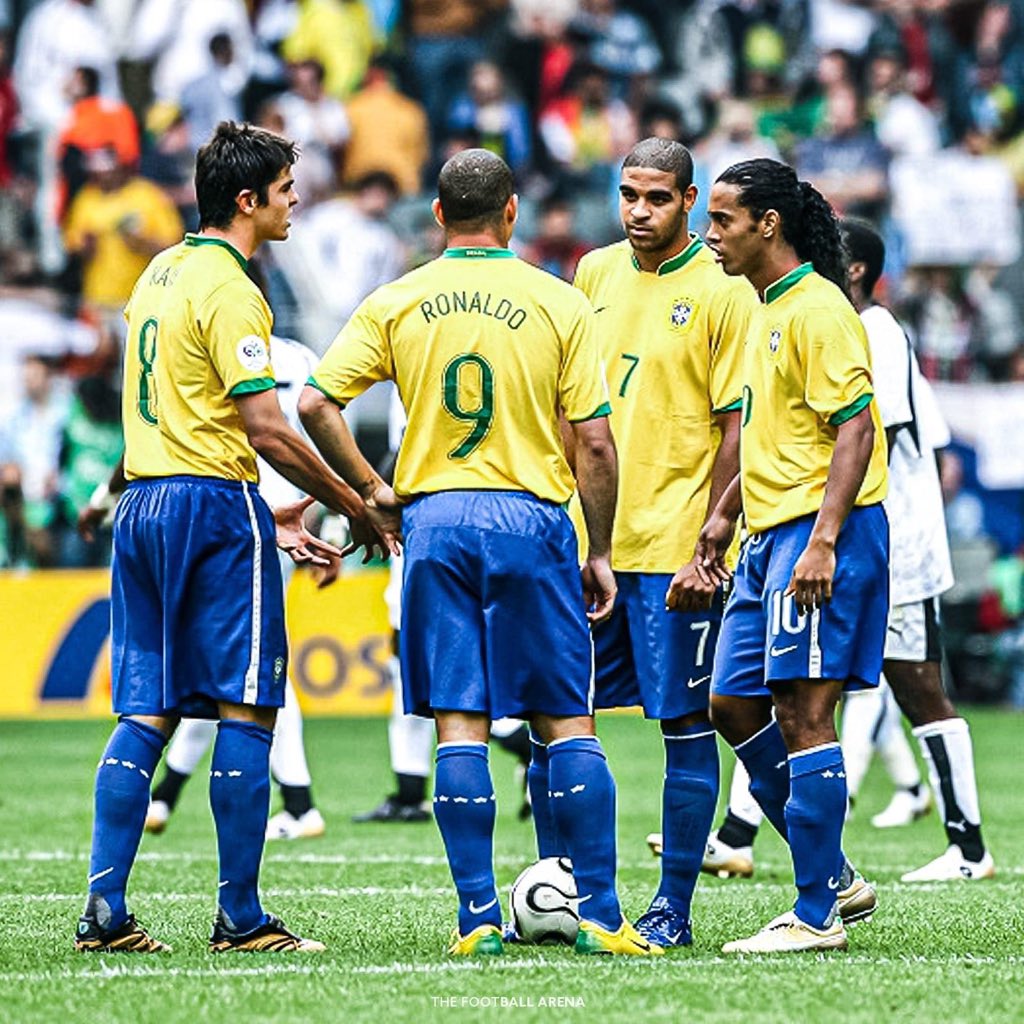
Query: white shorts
x: 913, y: 633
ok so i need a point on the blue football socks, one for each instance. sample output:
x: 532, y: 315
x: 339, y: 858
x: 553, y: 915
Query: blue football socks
x: 122, y: 797
x: 814, y: 816
x: 549, y: 842
x: 767, y: 762
x: 465, y: 811
x: 687, y: 811
x: 240, y: 801
x: 583, y: 804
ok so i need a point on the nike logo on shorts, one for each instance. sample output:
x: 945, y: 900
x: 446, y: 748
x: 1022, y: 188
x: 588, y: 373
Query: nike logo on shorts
x: 777, y: 652
x: 474, y: 909
x: 833, y: 884
x: 691, y: 683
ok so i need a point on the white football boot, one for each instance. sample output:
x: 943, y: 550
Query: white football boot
x: 284, y: 826
x: 157, y: 815
x: 953, y: 866
x: 788, y: 934
x: 727, y: 861
x: 903, y: 809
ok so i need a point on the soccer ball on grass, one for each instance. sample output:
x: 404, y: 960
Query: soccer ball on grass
x: 543, y: 903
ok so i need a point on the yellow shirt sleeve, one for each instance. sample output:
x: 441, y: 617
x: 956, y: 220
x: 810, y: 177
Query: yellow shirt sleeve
x: 235, y: 323
x: 732, y: 323
x: 582, y: 388
x: 358, y: 357
x: 834, y: 350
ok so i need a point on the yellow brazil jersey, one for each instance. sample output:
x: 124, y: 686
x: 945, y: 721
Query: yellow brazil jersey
x: 198, y: 336
x: 807, y: 370
x: 485, y: 350
x: 672, y: 344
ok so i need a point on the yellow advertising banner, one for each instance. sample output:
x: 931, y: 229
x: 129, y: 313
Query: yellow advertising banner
x: 55, y: 630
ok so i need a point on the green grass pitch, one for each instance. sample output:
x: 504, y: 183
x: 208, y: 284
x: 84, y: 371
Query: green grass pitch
x: 380, y: 897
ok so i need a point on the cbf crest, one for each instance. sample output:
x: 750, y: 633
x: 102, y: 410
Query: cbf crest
x: 682, y: 313
x: 774, y: 340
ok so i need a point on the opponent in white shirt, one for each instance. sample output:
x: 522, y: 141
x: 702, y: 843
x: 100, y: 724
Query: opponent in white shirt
x: 293, y: 363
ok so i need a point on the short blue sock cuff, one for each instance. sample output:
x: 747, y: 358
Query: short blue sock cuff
x: 577, y: 745
x: 818, y: 759
x: 446, y: 750
x: 257, y: 732
x: 148, y: 734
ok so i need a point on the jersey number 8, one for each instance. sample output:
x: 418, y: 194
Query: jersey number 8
x: 472, y: 373
x: 147, y: 382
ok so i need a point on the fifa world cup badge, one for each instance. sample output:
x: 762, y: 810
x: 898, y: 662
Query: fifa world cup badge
x: 774, y: 339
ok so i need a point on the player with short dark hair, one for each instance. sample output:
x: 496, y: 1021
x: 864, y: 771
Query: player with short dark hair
x: 487, y: 352
x: 806, y: 617
x: 921, y: 570
x: 672, y: 332
x: 196, y: 595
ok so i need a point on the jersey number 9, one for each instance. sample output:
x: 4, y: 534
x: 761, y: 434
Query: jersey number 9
x: 472, y: 374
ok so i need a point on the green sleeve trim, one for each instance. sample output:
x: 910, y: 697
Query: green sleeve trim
x: 311, y: 381
x: 604, y: 409
x: 252, y: 387
x: 839, y: 418
x: 731, y: 407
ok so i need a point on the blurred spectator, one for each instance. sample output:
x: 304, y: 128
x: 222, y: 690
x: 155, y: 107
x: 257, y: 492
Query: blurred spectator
x: 444, y: 40
x: 8, y: 113
x: 619, y: 41
x: 943, y: 320
x: 389, y: 132
x: 168, y: 159
x: 848, y: 165
x: 116, y: 224
x: 30, y: 448
x: 587, y: 131
x: 965, y: 513
x: 176, y: 34
x: 215, y: 95
x: 274, y: 21
x: 903, y: 124
x: 556, y: 247
x: 91, y: 445
x: 500, y: 122
x: 735, y: 138
x: 340, y: 251
x: 999, y: 333
x: 841, y: 25
x: 319, y: 124
x: 95, y: 122
x: 339, y: 35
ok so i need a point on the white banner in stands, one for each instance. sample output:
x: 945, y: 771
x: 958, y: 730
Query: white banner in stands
x: 955, y: 209
x: 990, y: 418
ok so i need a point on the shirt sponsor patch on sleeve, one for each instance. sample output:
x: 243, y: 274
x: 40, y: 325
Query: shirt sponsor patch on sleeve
x: 252, y: 353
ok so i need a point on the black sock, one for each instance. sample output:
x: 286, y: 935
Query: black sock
x: 915, y: 789
x: 412, y: 789
x: 959, y: 831
x: 297, y: 799
x: 736, y: 832
x: 168, y: 789
x: 517, y: 743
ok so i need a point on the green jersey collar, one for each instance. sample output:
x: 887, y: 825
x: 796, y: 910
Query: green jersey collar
x: 476, y: 252
x: 191, y: 239
x: 677, y: 261
x: 780, y: 287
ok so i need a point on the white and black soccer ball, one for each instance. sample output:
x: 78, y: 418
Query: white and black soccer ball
x: 543, y: 903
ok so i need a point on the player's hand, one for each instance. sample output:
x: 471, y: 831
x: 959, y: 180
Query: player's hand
x: 599, y: 588
x: 712, y: 545
x: 811, y: 582
x: 380, y: 526
x: 296, y: 541
x: 691, y: 589
x: 325, y: 575
x: 89, y: 521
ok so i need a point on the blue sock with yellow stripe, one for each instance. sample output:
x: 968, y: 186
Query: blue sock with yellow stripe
x: 583, y: 806
x: 240, y: 801
x: 464, y: 809
x: 123, y: 778
x: 688, y: 810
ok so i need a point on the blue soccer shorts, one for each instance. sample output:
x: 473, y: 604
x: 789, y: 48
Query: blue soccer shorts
x: 764, y: 640
x: 645, y: 655
x: 493, y: 619
x: 196, y: 597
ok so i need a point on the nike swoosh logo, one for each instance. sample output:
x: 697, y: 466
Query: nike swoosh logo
x: 600, y: 309
x: 674, y: 938
x: 833, y: 884
x: 779, y: 651
x: 474, y: 909
x: 691, y: 683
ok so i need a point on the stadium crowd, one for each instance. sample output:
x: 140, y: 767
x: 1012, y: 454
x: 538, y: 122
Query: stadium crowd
x: 103, y: 104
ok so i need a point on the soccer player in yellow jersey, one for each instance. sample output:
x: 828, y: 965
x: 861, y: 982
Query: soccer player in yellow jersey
x: 807, y: 614
x: 196, y: 595
x: 672, y: 327
x: 487, y: 352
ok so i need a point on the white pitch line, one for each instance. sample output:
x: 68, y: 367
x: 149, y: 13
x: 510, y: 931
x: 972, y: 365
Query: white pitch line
x: 182, y: 897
